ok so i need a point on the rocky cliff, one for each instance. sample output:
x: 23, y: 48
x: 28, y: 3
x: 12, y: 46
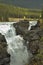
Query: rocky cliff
x: 33, y: 40
x: 4, y: 56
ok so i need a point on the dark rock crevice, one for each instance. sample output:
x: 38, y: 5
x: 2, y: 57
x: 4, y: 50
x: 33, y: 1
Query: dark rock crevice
x: 4, y: 55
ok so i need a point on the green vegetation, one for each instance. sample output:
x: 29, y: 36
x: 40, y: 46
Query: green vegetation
x: 42, y: 13
x: 12, y: 10
x: 7, y: 11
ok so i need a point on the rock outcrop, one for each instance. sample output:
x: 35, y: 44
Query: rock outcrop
x: 33, y: 40
x: 36, y: 26
x: 4, y: 56
x: 21, y: 27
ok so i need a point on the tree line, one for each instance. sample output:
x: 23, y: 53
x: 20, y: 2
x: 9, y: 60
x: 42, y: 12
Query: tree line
x: 7, y: 11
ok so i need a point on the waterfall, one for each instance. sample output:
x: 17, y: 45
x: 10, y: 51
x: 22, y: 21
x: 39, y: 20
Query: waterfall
x: 18, y: 52
x: 31, y: 23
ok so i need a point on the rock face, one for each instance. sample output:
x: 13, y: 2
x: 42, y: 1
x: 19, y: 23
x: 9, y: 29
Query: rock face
x: 36, y: 26
x: 33, y: 40
x: 4, y: 56
x: 32, y: 36
x: 21, y: 27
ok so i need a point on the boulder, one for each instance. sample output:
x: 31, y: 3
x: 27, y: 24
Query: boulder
x: 34, y: 47
x: 2, y: 38
x: 4, y: 55
x: 21, y: 27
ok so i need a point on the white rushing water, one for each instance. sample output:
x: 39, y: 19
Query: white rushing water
x: 32, y: 23
x: 18, y: 52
